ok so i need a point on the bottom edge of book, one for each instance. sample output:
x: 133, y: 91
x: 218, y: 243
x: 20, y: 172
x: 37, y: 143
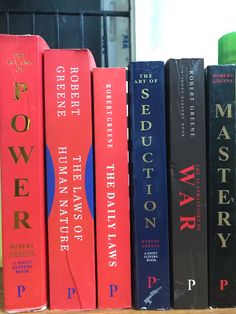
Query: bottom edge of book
x: 22, y: 310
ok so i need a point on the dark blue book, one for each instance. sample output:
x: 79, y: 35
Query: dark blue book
x: 221, y: 95
x: 148, y: 183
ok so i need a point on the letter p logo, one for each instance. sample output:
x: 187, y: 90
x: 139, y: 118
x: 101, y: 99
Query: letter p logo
x: 223, y: 284
x: 20, y: 291
x: 113, y: 290
x: 191, y: 283
x: 70, y: 293
x: 151, y: 281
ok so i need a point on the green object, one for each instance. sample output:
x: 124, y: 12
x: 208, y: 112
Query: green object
x: 227, y: 49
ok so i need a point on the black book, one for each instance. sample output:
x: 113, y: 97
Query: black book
x: 187, y: 182
x: 220, y: 81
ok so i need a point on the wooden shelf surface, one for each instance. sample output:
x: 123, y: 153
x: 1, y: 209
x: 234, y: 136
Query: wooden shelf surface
x: 132, y: 311
x: 126, y: 311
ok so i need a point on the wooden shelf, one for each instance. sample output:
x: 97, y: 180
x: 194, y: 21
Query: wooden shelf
x: 131, y: 311
x: 126, y: 311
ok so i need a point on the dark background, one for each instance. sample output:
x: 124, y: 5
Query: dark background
x: 62, y: 23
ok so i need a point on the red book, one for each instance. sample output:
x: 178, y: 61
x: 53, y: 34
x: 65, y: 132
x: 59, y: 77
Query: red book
x: 22, y: 167
x: 112, y: 188
x: 70, y: 192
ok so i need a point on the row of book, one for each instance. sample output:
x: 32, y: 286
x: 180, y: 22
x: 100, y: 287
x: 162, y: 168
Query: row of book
x: 139, y: 210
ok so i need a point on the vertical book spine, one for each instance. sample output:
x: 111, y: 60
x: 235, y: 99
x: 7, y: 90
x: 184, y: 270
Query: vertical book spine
x: 221, y: 184
x: 70, y: 196
x: 148, y: 175
x: 187, y: 162
x: 22, y: 171
x: 112, y: 188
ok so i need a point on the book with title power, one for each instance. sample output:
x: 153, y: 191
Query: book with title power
x: 148, y: 186
x: 22, y: 173
x: 187, y: 181
x: 220, y: 82
x: 70, y: 178
x: 112, y: 188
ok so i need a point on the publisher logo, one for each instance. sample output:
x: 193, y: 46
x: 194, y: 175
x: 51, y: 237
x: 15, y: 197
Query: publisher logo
x: 113, y: 290
x: 20, y: 291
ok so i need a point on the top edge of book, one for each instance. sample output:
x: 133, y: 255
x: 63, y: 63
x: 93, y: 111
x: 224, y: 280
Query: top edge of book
x: 185, y: 59
x: 14, y: 36
x: 68, y: 50
x: 15, y: 39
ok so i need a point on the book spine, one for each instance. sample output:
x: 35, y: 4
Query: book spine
x: 148, y: 180
x: 112, y: 188
x: 22, y: 173
x: 70, y: 181
x: 187, y: 163
x: 221, y: 184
